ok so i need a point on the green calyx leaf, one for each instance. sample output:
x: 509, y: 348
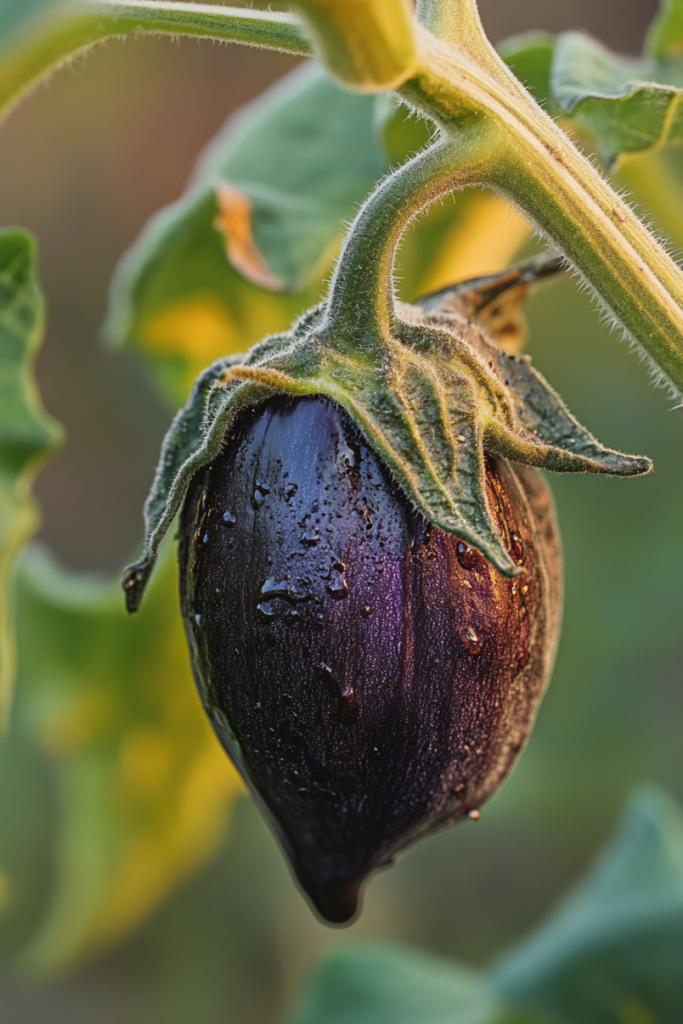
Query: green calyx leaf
x: 27, y: 434
x: 432, y: 398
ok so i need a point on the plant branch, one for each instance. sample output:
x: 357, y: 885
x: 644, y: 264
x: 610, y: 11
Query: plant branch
x: 50, y: 42
x: 539, y: 169
x: 459, y: 81
x: 361, y: 297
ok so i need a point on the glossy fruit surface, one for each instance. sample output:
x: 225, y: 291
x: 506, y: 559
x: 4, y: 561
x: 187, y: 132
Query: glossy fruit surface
x: 373, y: 677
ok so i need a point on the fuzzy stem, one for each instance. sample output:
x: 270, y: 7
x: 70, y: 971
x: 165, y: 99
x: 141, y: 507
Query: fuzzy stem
x: 459, y: 80
x: 539, y: 169
x: 48, y: 42
x: 361, y: 297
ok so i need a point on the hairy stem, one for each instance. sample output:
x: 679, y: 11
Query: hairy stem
x: 457, y: 81
x: 361, y: 296
x: 50, y: 42
x: 539, y: 169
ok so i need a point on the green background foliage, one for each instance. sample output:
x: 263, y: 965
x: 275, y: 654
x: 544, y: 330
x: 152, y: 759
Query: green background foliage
x: 103, y: 700
x: 27, y: 434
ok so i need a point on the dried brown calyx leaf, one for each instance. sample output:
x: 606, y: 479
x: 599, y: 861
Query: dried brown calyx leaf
x: 496, y: 302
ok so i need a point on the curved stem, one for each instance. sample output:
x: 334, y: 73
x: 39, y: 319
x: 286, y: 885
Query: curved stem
x: 361, y: 296
x: 48, y: 43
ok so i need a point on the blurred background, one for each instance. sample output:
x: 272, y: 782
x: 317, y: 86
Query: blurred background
x: 85, y: 161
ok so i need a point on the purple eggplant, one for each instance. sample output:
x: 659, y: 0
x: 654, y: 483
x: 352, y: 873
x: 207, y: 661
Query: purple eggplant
x: 373, y: 677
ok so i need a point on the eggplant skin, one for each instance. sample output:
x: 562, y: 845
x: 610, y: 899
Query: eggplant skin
x: 372, y: 677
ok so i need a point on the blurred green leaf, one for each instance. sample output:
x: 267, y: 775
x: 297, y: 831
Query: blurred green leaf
x: 27, y: 434
x: 211, y: 274
x: 14, y: 14
x: 611, y: 954
x: 376, y: 984
x: 614, y: 949
x: 665, y: 37
x: 625, y: 104
x: 143, y: 784
x: 281, y: 179
x: 401, y: 132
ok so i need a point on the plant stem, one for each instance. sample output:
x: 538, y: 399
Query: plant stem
x: 539, y: 169
x: 57, y: 39
x: 361, y: 297
x: 460, y: 81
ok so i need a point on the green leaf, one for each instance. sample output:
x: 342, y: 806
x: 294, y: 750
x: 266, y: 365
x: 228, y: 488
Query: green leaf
x: 614, y: 949
x: 665, y: 36
x: 296, y: 164
x: 625, y: 104
x: 27, y: 434
x: 382, y: 984
x: 143, y: 785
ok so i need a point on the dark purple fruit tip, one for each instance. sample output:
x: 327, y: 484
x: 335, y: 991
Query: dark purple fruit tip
x: 373, y: 678
x: 336, y: 900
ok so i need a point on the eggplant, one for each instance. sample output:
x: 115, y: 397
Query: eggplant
x: 372, y: 677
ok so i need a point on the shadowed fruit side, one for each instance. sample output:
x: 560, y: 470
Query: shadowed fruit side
x: 373, y: 677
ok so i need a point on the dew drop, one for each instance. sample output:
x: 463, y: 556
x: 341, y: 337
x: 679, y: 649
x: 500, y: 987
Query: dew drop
x: 473, y: 814
x: 311, y: 536
x: 516, y: 549
x: 257, y: 498
x: 472, y: 641
x: 198, y: 619
x: 266, y: 610
x: 339, y: 588
x: 367, y: 611
x: 275, y: 588
x: 468, y: 557
x: 290, y: 491
x: 205, y: 539
x: 229, y: 519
